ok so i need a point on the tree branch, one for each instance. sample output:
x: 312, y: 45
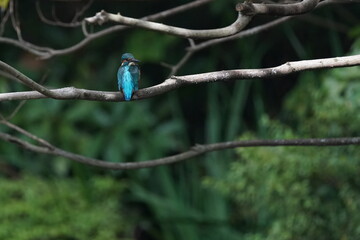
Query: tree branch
x: 28, y: 82
x: 56, y: 22
x: 193, y: 152
x: 237, y: 26
x: 245, y: 33
x: 3, y: 22
x: 172, y: 82
x: 175, y: 68
x: 251, y: 9
x: 14, y: 20
x: 41, y: 141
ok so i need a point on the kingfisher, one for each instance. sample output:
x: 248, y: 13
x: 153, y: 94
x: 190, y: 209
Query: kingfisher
x: 128, y: 75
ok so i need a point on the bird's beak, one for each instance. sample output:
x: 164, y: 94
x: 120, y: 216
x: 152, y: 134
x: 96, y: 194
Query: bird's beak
x: 134, y: 60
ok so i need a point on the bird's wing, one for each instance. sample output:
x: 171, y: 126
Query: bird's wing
x: 135, y: 73
x: 120, y: 75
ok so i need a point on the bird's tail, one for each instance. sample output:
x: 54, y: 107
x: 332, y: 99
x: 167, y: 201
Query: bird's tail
x: 128, y: 89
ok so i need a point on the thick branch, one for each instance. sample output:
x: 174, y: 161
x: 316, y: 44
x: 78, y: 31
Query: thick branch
x: 250, y: 9
x: 193, y: 152
x: 176, y: 82
x: 237, y: 26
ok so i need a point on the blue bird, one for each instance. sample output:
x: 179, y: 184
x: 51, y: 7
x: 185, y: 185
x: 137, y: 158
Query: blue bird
x: 128, y: 75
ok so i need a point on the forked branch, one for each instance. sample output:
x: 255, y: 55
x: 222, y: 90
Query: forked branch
x: 237, y: 26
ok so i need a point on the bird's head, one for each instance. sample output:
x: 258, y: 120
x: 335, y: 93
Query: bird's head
x: 128, y: 58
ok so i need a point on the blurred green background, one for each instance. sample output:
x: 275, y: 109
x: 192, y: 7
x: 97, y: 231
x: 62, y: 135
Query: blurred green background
x: 278, y: 193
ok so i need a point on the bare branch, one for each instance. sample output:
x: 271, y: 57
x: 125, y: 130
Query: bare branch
x: 82, y: 10
x: 193, y: 152
x: 14, y: 20
x: 27, y: 47
x: 172, y: 82
x: 337, y: 1
x: 182, y: 61
x: 251, y: 9
x: 237, y: 26
x: 8, y: 138
x: 176, y: 10
x: 26, y: 133
x: 325, y: 22
x: 3, y: 22
x: 27, y: 81
x: 245, y: 33
x: 9, y: 77
x: 83, y: 28
x: 56, y: 22
x: 175, y: 68
x: 16, y: 110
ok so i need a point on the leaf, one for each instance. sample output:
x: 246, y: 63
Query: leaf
x: 4, y: 3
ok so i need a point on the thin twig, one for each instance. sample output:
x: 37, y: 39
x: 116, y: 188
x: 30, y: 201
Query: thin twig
x: 245, y: 33
x: 31, y: 48
x: 56, y: 22
x: 53, y: 13
x: 325, y: 22
x: 22, y: 103
x: 323, y: 2
x: 14, y: 20
x: 181, y: 63
x: 16, y: 110
x: 26, y: 133
x: 175, y: 68
x: 3, y: 22
x: 83, y: 28
x: 82, y: 10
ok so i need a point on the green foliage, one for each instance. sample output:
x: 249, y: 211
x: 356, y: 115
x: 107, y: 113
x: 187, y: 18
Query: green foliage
x: 295, y: 192
x: 302, y: 193
x: 329, y: 110
x: 139, y: 44
x: 34, y: 208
